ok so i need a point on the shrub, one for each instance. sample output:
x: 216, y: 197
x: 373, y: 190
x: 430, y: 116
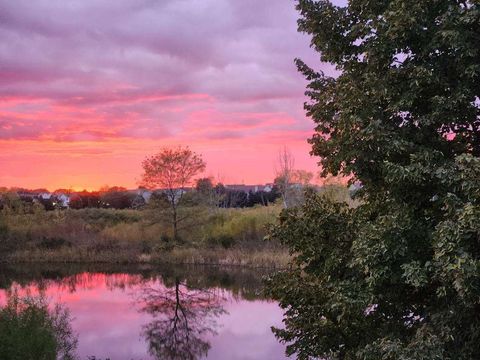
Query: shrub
x: 225, y: 241
x: 3, y: 230
x: 30, y: 330
x: 53, y: 243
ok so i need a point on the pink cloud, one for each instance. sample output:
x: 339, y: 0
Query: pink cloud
x: 217, y: 75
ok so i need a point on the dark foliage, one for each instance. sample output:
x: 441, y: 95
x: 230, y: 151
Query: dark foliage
x: 29, y: 330
x: 397, y: 277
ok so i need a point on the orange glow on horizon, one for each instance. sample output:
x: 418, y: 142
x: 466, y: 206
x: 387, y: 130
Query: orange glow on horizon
x: 91, y: 165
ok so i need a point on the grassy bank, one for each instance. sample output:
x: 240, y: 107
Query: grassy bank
x: 219, y: 236
x: 267, y: 258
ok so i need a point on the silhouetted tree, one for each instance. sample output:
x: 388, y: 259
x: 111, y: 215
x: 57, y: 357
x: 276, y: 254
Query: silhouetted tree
x: 204, y: 186
x: 284, y: 172
x: 117, y: 199
x: 172, y: 170
x: 221, y: 191
x: 85, y: 199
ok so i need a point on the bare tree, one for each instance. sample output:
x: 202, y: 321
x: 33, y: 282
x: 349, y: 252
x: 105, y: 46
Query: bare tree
x: 291, y: 182
x: 284, y: 170
x: 172, y: 170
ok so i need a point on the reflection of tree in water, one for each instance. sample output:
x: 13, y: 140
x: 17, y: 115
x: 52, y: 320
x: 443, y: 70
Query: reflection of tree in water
x: 242, y: 283
x: 182, y: 318
x: 195, y: 316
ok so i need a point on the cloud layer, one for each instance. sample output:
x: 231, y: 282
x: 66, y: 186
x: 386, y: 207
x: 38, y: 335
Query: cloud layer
x: 107, y: 82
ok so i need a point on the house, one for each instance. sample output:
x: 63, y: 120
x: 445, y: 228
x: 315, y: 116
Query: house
x: 45, y: 196
x: 145, y: 194
x: 268, y: 188
x: 62, y: 200
x: 247, y: 188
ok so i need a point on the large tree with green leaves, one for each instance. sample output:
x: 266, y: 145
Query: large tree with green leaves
x: 397, y: 277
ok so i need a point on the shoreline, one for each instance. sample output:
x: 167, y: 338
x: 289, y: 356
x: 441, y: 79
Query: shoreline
x: 261, y: 258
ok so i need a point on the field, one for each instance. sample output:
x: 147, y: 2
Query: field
x: 228, y: 236
x: 221, y: 236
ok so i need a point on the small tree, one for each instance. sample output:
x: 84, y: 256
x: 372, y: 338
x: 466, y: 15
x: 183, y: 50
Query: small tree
x: 206, y: 191
x: 213, y: 196
x: 172, y: 170
x: 290, y: 181
x: 283, y: 173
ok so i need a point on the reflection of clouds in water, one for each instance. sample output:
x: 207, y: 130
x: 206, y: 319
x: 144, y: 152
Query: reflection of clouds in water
x: 106, y: 314
x: 246, y: 332
x: 245, y: 321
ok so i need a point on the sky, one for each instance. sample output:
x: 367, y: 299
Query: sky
x: 89, y: 88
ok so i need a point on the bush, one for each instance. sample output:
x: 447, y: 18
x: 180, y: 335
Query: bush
x: 146, y: 247
x: 225, y: 241
x: 101, y: 218
x: 3, y: 230
x: 29, y: 330
x: 165, y: 239
x: 53, y: 243
x: 101, y: 245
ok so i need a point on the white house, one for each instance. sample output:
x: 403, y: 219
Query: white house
x: 63, y: 200
x: 145, y: 194
x: 45, y: 196
x: 268, y: 188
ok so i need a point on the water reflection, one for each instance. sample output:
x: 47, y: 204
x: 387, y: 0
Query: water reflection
x: 181, y: 319
x: 159, y: 313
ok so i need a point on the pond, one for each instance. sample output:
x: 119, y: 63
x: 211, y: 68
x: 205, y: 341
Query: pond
x: 174, y: 312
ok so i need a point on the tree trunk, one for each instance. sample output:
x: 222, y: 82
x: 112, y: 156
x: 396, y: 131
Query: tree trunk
x: 174, y: 223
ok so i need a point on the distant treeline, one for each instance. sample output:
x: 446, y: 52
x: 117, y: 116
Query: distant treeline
x: 204, y: 193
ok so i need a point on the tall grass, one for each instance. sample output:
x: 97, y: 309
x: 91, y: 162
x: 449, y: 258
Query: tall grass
x: 231, y: 236
x: 209, y: 236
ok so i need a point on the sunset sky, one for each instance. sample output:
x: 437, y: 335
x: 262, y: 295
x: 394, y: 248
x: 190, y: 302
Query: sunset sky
x: 88, y: 88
